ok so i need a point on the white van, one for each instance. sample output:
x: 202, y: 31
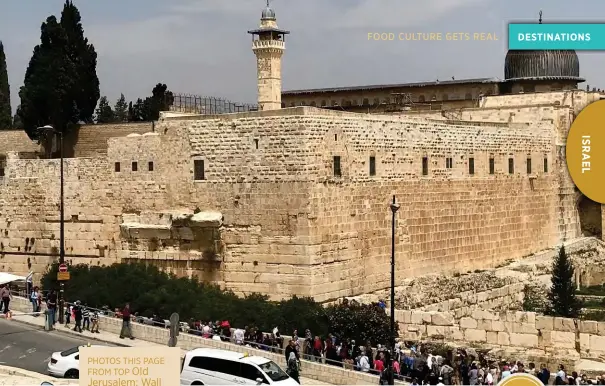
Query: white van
x: 207, y: 366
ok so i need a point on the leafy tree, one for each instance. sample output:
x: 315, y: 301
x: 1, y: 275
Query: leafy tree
x: 151, y: 291
x: 61, y: 87
x: 17, y: 124
x: 120, y: 109
x: 562, y: 294
x: 6, y: 121
x: 161, y: 100
x: 104, y: 112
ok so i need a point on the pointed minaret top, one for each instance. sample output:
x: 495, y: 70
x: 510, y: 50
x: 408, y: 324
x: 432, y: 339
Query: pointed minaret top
x: 539, y: 20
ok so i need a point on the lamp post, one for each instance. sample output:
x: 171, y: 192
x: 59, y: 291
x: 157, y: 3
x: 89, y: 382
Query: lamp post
x: 394, y: 208
x: 50, y: 129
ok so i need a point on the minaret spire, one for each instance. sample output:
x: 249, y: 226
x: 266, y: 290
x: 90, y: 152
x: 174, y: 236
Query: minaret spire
x: 539, y: 20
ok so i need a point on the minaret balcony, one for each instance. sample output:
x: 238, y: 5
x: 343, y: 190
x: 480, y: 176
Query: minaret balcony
x: 258, y: 44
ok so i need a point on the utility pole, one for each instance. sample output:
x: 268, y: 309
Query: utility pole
x: 394, y: 208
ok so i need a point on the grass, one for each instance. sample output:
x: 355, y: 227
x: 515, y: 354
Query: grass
x: 595, y: 290
x: 594, y: 303
x: 598, y: 316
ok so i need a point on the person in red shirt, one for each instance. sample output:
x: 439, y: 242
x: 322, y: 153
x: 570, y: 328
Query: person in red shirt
x: 379, y: 363
x: 126, y: 328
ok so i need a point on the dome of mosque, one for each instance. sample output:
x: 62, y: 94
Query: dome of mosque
x: 268, y: 13
x: 535, y: 64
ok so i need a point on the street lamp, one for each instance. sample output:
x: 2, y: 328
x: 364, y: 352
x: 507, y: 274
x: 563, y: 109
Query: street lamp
x: 50, y: 129
x: 394, y: 208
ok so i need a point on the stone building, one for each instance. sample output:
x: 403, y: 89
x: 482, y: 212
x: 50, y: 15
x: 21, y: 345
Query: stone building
x: 295, y: 200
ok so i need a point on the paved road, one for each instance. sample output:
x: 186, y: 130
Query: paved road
x: 29, y: 347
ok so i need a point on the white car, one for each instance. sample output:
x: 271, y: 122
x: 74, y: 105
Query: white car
x: 66, y: 364
x: 207, y: 366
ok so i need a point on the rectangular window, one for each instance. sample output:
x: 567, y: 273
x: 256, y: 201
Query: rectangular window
x: 425, y: 166
x: 150, y: 166
x: 492, y: 166
x: 116, y: 166
x: 1, y: 172
x: 198, y: 170
x: 449, y: 163
x: 471, y: 166
x: 372, y: 166
x: 336, y: 166
x: 511, y: 166
x: 256, y: 143
x: 135, y: 166
x: 529, y: 166
x: 545, y: 164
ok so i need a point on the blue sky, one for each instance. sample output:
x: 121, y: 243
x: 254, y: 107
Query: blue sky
x: 201, y: 46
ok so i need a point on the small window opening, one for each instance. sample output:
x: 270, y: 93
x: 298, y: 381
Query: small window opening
x: 511, y: 166
x: 425, y: 166
x: 1, y: 172
x: 135, y: 166
x: 336, y: 166
x: 198, y: 170
x: 471, y: 166
x: 256, y: 143
x: 335, y: 137
x: 529, y: 166
x: 492, y: 166
x: 449, y: 162
x: 545, y: 164
x: 372, y: 166
x: 116, y: 166
x: 150, y: 166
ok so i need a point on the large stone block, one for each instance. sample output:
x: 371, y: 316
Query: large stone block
x: 473, y: 335
x: 545, y: 323
x: 467, y: 322
x: 524, y: 328
x: 524, y: 340
x: 564, y: 324
x: 498, y: 325
x: 589, y: 327
x: 442, y: 319
x: 601, y: 328
x: 420, y: 317
x: 503, y: 338
x: 483, y: 314
x: 563, y: 339
x: 597, y: 344
x: 492, y: 337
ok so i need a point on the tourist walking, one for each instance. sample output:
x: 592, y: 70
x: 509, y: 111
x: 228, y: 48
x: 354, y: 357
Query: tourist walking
x: 95, y: 322
x: 5, y: 295
x: 126, y: 326
x: 78, y: 317
x: 293, y: 370
x: 85, y: 318
x: 51, y: 306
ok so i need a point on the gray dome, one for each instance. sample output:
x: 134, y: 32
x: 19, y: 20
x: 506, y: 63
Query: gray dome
x: 556, y: 64
x: 268, y: 14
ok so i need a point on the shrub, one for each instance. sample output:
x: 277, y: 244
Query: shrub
x: 153, y: 292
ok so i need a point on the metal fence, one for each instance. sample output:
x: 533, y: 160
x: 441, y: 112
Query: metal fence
x: 196, y: 104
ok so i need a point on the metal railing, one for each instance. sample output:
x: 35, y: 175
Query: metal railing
x: 274, y: 347
x: 196, y: 104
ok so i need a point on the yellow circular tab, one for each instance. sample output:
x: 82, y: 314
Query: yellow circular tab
x: 585, y: 151
x: 520, y: 379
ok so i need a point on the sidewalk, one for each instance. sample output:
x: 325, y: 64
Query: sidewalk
x: 111, y: 338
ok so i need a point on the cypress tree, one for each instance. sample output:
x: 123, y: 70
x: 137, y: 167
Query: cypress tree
x: 61, y: 87
x: 104, y: 112
x: 6, y: 119
x: 121, y: 109
x: 562, y: 294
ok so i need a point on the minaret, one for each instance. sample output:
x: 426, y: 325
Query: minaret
x: 268, y: 44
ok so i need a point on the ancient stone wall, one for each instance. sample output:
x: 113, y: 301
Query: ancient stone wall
x: 91, y: 140
x: 508, y: 329
x: 252, y: 201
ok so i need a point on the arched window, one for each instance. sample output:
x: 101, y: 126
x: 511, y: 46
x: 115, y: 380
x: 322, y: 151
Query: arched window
x: 323, y: 103
x: 354, y: 102
x: 347, y: 103
x: 303, y: 103
x: 313, y: 104
x: 366, y: 102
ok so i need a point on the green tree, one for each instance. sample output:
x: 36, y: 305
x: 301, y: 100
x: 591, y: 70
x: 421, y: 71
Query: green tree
x: 61, y: 87
x: 6, y: 120
x: 120, y: 109
x: 104, y: 112
x: 562, y: 294
x: 17, y: 124
x: 161, y: 99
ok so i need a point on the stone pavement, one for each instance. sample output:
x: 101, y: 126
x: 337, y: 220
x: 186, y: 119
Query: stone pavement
x: 111, y: 338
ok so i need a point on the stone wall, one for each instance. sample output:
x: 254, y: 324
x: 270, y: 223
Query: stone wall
x: 508, y: 329
x: 288, y: 225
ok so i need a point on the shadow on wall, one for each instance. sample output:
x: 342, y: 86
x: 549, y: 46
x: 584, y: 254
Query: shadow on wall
x: 590, y: 217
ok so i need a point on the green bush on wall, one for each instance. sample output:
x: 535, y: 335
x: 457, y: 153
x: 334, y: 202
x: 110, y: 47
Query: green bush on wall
x: 153, y: 292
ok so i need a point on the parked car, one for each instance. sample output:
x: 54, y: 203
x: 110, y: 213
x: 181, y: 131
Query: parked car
x: 206, y: 366
x: 66, y: 364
